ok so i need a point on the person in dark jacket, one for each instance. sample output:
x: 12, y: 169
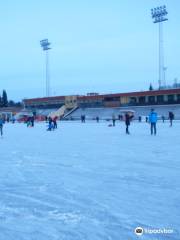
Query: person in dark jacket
x: 97, y: 119
x: 171, y: 118
x: 32, y: 121
x: 114, y: 120
x: 50, y: 124
x: 163, y: 118
x: 55, y: 122
x: 83, y: 118
x: 1, y: 126
x: 128, y: 119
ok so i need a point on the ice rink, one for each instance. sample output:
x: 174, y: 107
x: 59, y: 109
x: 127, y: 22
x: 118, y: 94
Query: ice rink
x: 89, y: 181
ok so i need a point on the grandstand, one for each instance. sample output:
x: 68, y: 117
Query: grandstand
x: 107, y: 113
x: 45, y: 112
x: 105, y: 105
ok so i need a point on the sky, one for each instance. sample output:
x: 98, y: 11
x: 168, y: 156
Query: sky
x: 97, y: 46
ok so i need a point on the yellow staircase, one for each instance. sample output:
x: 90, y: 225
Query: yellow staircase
x: 59, y: 113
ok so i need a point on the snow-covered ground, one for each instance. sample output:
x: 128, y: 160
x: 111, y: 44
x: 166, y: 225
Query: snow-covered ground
x: 89, y: 182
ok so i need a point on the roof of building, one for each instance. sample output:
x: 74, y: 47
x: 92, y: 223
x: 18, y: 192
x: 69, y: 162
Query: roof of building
x: 101, y: 96
x: 10, y: 109
x: 44, y: 99
x: 135, y: 94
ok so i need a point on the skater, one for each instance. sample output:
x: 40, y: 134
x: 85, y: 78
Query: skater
x: 140, y: 118
x: 146, y: 119
x: 1, y: 126
x: 153, y: 121
x: 163, y: 118
x: 127, y: 122
x: 32, y: 121
x: 97, y: 119
x: 120, y: 117
x: 28, y: 122
x: 83, y: 118
x: 114, y: 120
x: 54, y: 123
x: 50, y: 124
x: 13, y: 119
x: 171, y: 118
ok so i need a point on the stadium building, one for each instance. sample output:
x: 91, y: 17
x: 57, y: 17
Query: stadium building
x: 92, y: 105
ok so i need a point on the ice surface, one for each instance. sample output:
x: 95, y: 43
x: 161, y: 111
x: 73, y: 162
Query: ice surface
x: 89, y: 181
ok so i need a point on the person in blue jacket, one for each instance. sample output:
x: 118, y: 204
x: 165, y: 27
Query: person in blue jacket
x: 153, y: 120
x: 1, y: 126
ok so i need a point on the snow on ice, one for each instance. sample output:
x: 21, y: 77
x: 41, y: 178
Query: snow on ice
x: 89, y: 181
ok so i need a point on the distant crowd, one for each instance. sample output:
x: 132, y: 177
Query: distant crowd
x: 127, y: 118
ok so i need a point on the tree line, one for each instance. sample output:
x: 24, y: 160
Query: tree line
x: 4, y: 102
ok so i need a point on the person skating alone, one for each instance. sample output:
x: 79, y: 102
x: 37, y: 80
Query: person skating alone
x: 171, y: 118
x: 1, y: 126
x: 97, y: 119
x: 128, y: 118
x: 114, y: 120
x: 153, y: 121
x: 32, y: 121
x: 83, y: 118
x: 163, y: 118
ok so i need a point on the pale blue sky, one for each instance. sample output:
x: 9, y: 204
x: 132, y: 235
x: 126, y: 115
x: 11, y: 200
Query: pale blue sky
x: 97, y: 45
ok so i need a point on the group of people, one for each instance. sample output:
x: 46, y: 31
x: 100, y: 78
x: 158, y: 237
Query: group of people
x: 152, y: 119
x: 127, y: 119
x: 171, y: 118
x: 52, y: 123
x: 30, y: 121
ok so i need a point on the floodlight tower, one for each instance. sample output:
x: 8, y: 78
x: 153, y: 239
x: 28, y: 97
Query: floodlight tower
x: 164, y: 76
x: 45, y: 46
x: 159, y: 16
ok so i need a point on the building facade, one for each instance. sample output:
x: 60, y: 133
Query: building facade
x: 143, y: 98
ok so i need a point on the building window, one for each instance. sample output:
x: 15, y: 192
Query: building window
x: 142, y: 99
x: 151, y: 99
x: 178, y: 97
x: 160, y: 99
x: 132, y: 100
x: 170, y: 98
x: 111, y: 99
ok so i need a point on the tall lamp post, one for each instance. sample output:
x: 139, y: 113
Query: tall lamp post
x: 159, y: 16
x: 45, y: 46
x: 164, y: 76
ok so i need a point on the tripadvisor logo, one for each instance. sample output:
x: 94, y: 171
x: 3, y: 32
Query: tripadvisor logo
x: 139, y: 231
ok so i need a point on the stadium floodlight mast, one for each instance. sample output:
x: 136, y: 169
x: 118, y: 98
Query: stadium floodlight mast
x: 164, y: 75
x: 45, y: 46
x: 159, y: 16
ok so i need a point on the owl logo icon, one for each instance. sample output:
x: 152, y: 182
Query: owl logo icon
x: 139, y: 231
